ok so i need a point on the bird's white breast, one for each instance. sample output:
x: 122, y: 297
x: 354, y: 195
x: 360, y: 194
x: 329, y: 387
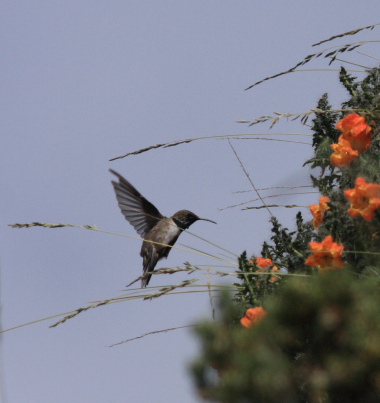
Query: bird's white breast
x: 172, y: 233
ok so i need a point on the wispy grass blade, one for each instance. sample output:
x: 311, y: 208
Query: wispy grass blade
x: 212, y: 243
x: 331, y: 54
x: 179, y: 142
x: 248, y: 177
x: 277, y: 140
x: 94, y: 228
x: 353, y: 32
x: 149, y: 293
x: 151, y: 333
x: 275, y: 187
x: 275, y: 205
x: 267, y: 197
x: 370, y: 56
x: 303, y: 115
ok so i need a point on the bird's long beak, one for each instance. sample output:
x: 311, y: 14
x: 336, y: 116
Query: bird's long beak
x: 206, y: 219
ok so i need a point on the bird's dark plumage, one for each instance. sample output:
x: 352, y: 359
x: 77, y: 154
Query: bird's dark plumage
x: 159, y: 232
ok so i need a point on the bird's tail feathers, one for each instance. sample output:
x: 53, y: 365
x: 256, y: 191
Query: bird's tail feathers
x: 150, y: 259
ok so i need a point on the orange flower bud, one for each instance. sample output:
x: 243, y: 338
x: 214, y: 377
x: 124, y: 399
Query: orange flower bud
x: 253, y: 316
x: 318, y: 211
x: 263, y: 263
x: 273, y: 279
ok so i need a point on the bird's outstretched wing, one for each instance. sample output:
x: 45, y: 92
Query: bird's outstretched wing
x: 137, y: 210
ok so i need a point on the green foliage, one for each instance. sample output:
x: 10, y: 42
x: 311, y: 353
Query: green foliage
x: 365, y: 94
x: 287, y: 251
x: 289, y: 248
x: 348, y: 81
x: 325, y: 134
x: 324, y: 124
x: 318, y: 343
x: 245, y: 294
x: 255, y: 283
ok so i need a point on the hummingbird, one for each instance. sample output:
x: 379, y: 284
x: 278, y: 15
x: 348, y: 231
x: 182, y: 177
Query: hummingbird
x: 150, y: 224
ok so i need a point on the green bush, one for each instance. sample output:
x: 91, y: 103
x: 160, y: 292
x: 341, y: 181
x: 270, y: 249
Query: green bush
x: 318, y: 343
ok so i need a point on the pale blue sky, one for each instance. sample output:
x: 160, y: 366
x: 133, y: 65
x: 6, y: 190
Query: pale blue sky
x: 85, y: 81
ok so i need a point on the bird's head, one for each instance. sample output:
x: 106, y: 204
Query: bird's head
x: 184, y: 218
